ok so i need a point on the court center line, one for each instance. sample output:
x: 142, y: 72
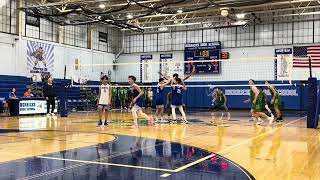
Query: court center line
x: 102, y: 163
x: 232, y: 147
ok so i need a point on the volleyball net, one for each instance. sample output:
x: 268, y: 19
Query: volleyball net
x: 202, y: 79
x: 196, y: 73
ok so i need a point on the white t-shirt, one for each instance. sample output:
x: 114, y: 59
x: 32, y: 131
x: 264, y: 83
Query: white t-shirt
x: 104, y: 94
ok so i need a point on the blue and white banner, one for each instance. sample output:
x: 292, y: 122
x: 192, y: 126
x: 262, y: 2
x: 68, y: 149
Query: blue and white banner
x: 40, y: 57
x: 168, y: 67
x: 146, y: 68
x: 283, y: 64
x: 34, y: 107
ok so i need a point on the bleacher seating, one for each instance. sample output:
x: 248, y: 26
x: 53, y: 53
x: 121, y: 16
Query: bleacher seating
x: 21, y: 83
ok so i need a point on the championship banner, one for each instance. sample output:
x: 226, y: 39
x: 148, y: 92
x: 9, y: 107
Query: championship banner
x: 146, y: 68
x: 40, y: 57
x: 283, y: 64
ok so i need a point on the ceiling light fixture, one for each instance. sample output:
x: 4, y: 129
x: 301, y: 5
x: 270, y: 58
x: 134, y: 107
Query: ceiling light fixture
x: 239, y: 23
x: 163, y: 28
x: 180, y: 11
x: 102, y: 6
x: 129, y: 16
x: 224, y: 11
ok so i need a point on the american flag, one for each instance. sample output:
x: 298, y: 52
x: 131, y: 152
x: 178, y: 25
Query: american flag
x: 301, y: 56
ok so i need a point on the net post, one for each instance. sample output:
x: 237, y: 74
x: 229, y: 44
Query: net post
x: 312, y: 102
x: 315, y: 125
x: 63, y: 99
x: 310, y: 67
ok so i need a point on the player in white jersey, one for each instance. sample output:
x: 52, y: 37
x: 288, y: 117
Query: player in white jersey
x: 104, y: 100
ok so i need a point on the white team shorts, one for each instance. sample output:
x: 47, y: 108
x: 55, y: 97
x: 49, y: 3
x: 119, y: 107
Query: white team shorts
x: 176, y: 106
x: 104, y: 107
x: 159, y: 106
x: 135, y: 108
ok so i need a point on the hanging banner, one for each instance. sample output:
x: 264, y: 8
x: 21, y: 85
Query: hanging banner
x: 40, y: 57
x: 283, y: 64
x: 168, y: 66
x: 146, y: 68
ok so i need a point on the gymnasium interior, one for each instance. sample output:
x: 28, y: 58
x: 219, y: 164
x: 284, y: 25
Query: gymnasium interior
x: 248, y: 107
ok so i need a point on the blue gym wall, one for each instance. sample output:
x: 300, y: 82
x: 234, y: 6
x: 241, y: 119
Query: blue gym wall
x: 194, y: 97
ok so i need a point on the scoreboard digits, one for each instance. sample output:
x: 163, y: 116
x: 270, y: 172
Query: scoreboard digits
x: 201, y: 54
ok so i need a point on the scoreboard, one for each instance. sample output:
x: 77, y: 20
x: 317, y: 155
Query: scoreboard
x: 209, y: 51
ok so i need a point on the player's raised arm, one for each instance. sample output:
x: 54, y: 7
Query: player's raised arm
x: 191, y: 74
x: 163, y: 76
x: 166, y: 83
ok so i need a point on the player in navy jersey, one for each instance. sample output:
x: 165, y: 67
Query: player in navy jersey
x: 177, y: 91
x: 175, y: 76
x: 136, y: 103
x: 160, y: 98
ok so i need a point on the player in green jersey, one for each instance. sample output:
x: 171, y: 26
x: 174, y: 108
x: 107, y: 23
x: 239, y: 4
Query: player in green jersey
x: 257, y: 104
x: 220, y: 102
x: 265, y: 101
x: 276, y: 100
x: 122, y: 93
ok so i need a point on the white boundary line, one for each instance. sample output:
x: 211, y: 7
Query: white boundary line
x: 232, y: 147
x: 169, y: 170
x: 102, y: 163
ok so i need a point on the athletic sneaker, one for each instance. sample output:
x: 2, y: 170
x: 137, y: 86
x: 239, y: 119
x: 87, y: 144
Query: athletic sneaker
x: 259, y: 122
x: 106, y: 123
x: 134, y: 126
x: 279, y: 119
x: 100, y: 123
x: 270, y: 119
x: 272, y: 115
x: 163, y: 121
x: 185, y: 122
x: 52, y: 114
x: 48, y: 114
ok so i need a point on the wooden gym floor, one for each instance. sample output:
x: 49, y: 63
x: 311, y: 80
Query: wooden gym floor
x: 37, y: 147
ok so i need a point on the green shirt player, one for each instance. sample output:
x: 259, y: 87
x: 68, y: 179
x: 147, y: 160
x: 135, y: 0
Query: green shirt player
x: 265, y: 101
x: 123, y: 97
x: 250, y: 100
x: 220, y: 102
x: 257, y: 107
x: 114, y: 95
x: 276, y: 100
